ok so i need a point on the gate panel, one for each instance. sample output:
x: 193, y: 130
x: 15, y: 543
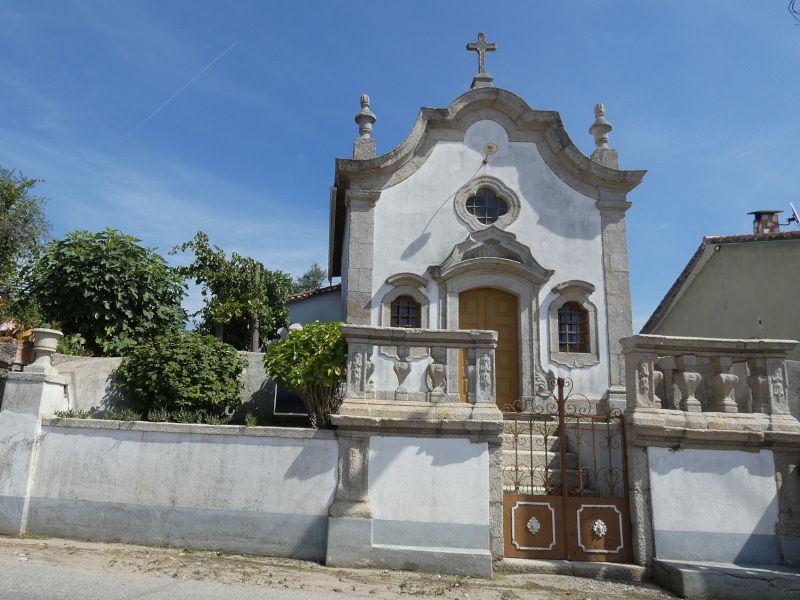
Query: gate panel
x: 564, y: 481
x: 533, y: 526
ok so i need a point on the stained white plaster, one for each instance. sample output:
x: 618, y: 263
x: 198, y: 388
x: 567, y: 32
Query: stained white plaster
x: 416, y: 226
x: 232, y: 473
x: 713, y: 490
x: 429, y: 480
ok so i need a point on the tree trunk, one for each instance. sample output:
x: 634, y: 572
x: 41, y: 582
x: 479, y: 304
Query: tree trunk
x: 254, y: 341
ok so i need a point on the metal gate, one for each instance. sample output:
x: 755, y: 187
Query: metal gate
x: 564, y: 480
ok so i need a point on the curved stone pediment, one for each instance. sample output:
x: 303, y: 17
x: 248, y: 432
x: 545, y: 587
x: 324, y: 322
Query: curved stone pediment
x: 521, y: 122
x: 495, y: 250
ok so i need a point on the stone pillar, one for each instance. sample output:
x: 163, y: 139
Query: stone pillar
x: 350, y: 514
x: 28, y: 396
x: 617, y: 290
x: 641, y: 508
x: 641, y: 383
x: 357, y: 273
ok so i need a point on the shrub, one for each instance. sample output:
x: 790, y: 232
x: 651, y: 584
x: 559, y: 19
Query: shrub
x: 73, y: 344
x: 311, y: 362
x: 250, y: 420
x: 122, y: 415
x: 107, y: 288
x: 73, y: 414
x: 183, y: 373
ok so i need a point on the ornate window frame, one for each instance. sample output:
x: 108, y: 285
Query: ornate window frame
x: 578, y: 292
x: 500, y: 189
x: 405, y: 284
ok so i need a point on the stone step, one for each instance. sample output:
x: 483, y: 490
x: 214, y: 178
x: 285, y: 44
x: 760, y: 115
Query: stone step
x: 524, y: 441
x: 526, y: 480
x: 526, y: 427
x: 538, y: 458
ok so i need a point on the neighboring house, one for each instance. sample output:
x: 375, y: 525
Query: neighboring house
x: 488, y: 217
x: 323, y: 304
x: 739, y: 286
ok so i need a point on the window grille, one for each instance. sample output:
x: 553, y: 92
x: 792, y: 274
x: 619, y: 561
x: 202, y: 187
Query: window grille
x: 573, y: 328
x: 405, y: 312
x: 486, y: 206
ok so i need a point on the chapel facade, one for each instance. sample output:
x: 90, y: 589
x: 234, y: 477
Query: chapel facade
x: 487, y: 216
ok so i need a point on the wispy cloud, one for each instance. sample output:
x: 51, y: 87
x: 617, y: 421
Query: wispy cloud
x: 164, y: 202
x: 183, y: 87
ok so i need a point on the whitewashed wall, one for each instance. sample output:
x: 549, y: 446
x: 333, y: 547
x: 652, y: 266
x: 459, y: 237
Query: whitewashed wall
x: 429, y: 492
x: 416, y: 226
x: 322, y: 307
x: 257, y: 490
x: 714, y: 505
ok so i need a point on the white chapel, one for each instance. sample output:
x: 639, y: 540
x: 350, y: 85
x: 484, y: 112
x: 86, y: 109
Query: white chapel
x: 487, y: 216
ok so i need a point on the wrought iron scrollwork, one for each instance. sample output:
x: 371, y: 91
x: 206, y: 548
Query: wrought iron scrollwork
x: 562, y: 446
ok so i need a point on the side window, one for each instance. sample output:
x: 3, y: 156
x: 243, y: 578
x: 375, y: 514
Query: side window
x: 573, y: 325
x: 405, y: 312
x: 573, y: 328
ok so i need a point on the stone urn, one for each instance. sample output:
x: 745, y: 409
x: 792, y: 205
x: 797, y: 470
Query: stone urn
x: 45, y: 342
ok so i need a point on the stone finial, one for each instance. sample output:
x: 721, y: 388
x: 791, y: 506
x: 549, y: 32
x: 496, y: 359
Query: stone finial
x: 364, y: 146
x: 600, y: 129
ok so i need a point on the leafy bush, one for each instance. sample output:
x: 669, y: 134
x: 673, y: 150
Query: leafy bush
x: 73, y: 344
x: 107, y: 288
x: 73, y: 414
x: 122, y: 415
x: 183, y: 373
x: 311, y: 361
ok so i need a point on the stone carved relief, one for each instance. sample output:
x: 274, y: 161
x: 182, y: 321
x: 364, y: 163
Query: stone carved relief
x: 776, y: 384
x: 644, y: 379
x: 485, y: 372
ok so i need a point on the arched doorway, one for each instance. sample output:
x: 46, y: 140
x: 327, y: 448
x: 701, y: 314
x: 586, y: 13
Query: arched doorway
x: 490, y: 308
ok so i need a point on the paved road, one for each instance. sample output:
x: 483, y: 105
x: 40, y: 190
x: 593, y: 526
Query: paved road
x: 28, y: 580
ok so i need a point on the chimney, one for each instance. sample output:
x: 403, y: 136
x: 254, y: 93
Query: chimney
x: 766, y: 221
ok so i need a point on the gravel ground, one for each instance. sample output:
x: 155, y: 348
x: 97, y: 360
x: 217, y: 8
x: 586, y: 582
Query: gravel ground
x: 56, y: 568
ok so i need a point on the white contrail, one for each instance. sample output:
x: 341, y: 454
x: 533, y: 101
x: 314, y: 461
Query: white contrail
x: 184, y: 86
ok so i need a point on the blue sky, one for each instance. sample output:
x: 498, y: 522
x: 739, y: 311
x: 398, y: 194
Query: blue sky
x: 162, y: 118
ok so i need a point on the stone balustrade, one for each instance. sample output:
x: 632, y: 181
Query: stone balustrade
x: 439, y: 385
x: 684, y: 364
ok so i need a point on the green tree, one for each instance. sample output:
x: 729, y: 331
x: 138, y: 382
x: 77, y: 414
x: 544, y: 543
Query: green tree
x: 245, y: 303
x: 311, y: 279
x: 23, y: 227
x: 107, y: 288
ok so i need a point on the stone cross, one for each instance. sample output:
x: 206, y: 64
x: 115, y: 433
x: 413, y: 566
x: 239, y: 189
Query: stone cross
x: 481, y: 47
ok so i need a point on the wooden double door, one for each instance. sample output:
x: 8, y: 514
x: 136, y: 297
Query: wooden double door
x: 490, y: 308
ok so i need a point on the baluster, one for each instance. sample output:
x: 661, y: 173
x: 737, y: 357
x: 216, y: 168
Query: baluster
x: 688, y: 380
x: 722, y: 382
x: 402, y: 368
x: 437, y: 375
